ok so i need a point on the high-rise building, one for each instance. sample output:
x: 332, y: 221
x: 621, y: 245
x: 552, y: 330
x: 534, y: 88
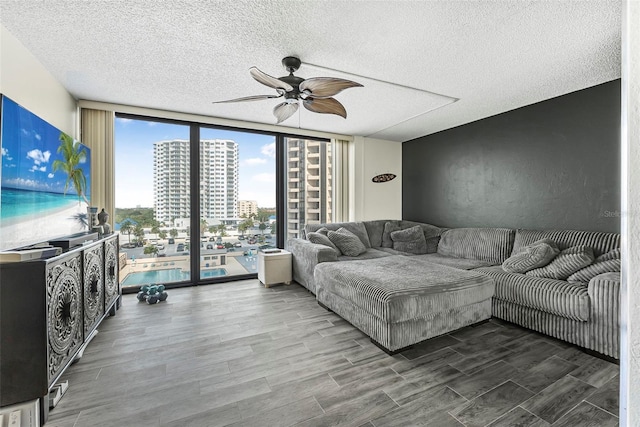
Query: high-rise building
x: 218, y: 179
x: 246, y: 208
x: 309, y: 186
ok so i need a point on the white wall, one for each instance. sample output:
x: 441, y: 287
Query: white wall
x: 371, y: 200
x: 27, y: 82
x: 630, y: 322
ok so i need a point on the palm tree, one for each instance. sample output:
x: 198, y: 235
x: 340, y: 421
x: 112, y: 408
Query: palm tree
x: 173, y: 233
x: 73, y: 154
x: 262, y: 227
x: 222, y: 229
x: 127, y: 227
x: 151, y: 250
x: 245, y: 225
x: 262, y: 216
x: 139, y: 233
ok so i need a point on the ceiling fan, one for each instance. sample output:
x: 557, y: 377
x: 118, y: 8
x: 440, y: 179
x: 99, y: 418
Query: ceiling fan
x: 315, y: 93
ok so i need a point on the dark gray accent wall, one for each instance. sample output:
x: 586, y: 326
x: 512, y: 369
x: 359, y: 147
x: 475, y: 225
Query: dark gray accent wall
x: 554, y: 164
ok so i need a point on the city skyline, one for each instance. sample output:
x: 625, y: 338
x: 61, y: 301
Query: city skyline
x: 134, y: 144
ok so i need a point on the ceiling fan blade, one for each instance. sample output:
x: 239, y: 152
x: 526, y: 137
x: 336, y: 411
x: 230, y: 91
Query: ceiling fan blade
x: 325, y: 106
x: 268, y: 80
x: 284, y: 110
x: 325, y: 87
x: 248, y: 98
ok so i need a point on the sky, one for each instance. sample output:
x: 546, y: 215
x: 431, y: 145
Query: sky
x: 134, y: 161
x: 29, y: 148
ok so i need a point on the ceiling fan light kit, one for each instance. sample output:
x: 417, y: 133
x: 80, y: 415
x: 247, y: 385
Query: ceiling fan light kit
x: 315, y: 94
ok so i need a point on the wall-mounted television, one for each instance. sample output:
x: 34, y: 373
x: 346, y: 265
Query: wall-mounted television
x: 44, y: 179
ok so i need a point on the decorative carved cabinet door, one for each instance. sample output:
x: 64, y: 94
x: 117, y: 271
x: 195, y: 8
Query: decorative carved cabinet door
x: 93, y: 287
x: 111, y: 289
x: 64, y: 312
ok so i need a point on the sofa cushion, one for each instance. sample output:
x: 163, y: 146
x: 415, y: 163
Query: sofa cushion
x: 431, y: 233
x: 322, y: 239
x: 389, y: 227
x: 449, y: 261
x: 356, y: 228
x: 410, y: 240
x: 613, y: 254
x: 370, y: 253
x: 606, y: 263
x: 558, y: 297
x: 348, y: 243
x: 489, y: 244
x: 392, y: 251
x: 565, y: 264
x: 600, y: 242
x: 374, y: 230
x: 535, y: 255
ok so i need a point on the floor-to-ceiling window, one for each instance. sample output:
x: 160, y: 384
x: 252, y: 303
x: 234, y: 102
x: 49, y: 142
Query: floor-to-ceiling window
x: 195, y: 203
x: 237, y: 200
x: 152, y: 199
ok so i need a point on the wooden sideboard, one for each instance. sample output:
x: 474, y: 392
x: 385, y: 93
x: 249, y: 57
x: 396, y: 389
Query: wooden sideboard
x: 49, y: 310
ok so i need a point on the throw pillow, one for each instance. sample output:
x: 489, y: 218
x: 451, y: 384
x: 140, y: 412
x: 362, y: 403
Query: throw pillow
x: 536, y: 255
x: 410, y: 240
x: 565, y: 264
x: 389, y: 228
x: 322, y: 239
x: 348, y: 243
x: 322, y: 230
x: 605, y: 263
x: 613, y: 254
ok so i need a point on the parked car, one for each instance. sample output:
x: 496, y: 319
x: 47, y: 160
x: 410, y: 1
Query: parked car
x: 241, y: 237
x: 220, y: 246
x: 180, y: 247
x: 160, y: 246
x: 172, y: 241
x: 237, y: 244
x: 209, y: 246
x: 212, y: 239
x: 128, y: 245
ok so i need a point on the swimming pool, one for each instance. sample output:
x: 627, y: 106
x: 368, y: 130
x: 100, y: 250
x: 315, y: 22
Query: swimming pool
x: 218, y: 272
x: 166, y: 276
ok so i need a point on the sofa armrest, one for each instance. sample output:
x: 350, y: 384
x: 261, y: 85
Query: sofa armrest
x: 604, y: 331
x: 305, y: 256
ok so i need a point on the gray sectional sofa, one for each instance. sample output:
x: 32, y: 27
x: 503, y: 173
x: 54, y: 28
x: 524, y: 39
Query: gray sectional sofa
x: 400, y: 298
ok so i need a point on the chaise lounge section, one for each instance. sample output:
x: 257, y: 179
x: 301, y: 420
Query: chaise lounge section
x: 398, y: 310
x: 400, y: 298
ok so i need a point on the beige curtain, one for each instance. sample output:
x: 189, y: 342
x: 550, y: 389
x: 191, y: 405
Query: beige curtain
x: 97, y: 132
x: 341, y: 180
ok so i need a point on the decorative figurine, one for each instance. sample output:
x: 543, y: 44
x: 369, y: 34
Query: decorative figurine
x: 103, y: 217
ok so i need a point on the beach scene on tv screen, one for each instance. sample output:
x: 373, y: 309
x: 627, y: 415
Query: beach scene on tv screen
x: 45, y: 180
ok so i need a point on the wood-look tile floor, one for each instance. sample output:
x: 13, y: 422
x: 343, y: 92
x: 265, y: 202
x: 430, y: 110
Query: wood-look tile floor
x: 242, y: 355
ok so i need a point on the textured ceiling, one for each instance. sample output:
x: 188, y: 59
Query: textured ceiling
x: 414, y: 58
